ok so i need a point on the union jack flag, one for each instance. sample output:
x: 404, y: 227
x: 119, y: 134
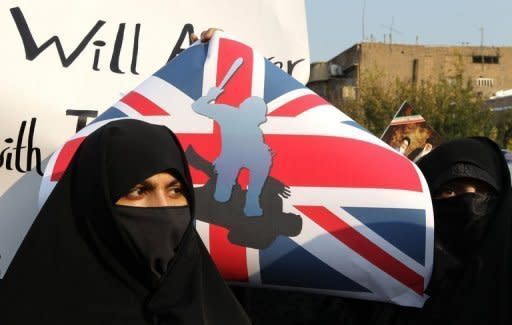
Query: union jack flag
x: 367, y: 224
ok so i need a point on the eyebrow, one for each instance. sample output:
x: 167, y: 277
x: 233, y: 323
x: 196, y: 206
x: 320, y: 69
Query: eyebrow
x: 174, y: 183
x: 151, y: 185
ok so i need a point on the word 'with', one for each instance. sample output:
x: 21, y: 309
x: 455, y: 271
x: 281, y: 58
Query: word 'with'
x: 12, y: 151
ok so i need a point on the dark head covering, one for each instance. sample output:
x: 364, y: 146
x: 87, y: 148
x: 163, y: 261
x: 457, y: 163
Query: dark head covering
x: 81, y: 264
x: 475, y: 157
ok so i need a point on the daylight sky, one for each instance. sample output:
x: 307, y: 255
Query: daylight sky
x: 335, y: 25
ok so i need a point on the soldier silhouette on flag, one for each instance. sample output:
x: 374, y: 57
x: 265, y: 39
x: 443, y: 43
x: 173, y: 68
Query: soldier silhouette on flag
x: 257, y: 233
x: 242, y: 143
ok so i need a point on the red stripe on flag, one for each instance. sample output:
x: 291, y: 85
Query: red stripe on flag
x: 364, y: 247
x: 230, y: 259
x: 298, y: 105
x: 143, y: 105
x: 239, y: 86
x: 64, y: 158
x: 322, y: 161
x: 326, y: 161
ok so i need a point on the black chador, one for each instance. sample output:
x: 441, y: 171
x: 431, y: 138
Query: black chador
x: 80, y: 263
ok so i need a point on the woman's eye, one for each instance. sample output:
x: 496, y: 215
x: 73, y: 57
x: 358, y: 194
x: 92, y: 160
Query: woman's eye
x: 445, y: 193
x: 136, y: 192
x: 448, y: 192
x: 176, y: 191
x: 482, y: 189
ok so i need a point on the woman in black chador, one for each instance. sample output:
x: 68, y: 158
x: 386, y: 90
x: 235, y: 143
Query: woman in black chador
x: 472, y: 198
x: 115, y: 242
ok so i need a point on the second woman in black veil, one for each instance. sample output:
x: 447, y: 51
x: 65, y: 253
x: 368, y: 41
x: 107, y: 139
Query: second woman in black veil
x: 472, y: 278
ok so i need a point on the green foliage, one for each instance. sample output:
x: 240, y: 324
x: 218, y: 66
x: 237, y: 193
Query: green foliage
x: 503, y: 131
x: 450, y: 105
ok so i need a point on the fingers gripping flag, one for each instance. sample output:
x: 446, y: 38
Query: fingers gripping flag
x: 291, y: 192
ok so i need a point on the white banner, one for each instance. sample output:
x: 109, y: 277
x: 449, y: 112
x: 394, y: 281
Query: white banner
x: 64, y: 62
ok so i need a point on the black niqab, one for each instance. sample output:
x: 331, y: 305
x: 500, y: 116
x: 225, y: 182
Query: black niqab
x: 156, y: 233
x: 80, y: 264
x: 461, y: 221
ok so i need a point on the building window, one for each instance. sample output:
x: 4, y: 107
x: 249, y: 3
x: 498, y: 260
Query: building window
x: 348, y: 92
x: 487, y: 59
x: 485, y: 82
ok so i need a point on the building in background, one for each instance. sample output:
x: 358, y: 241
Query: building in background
x: 488, y: 68
x: 501, y: 101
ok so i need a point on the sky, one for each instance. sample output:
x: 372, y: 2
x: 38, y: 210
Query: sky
x: 335, y: 25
